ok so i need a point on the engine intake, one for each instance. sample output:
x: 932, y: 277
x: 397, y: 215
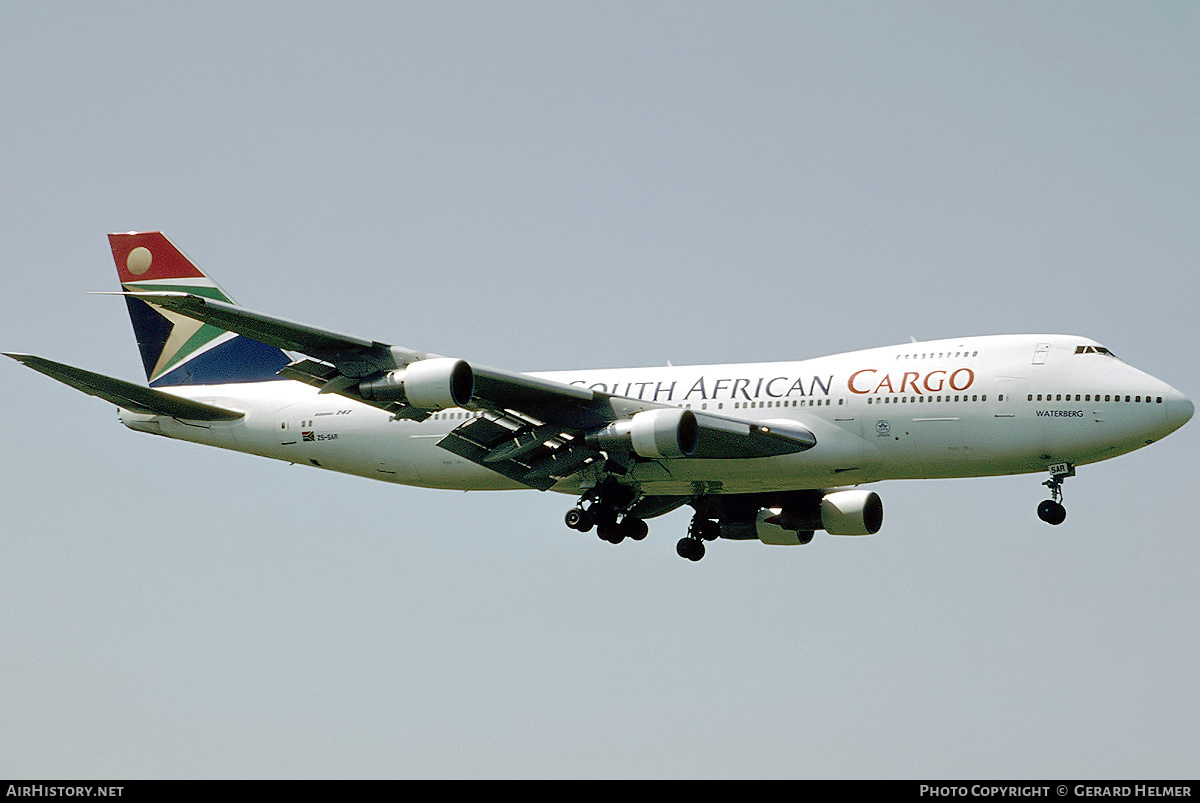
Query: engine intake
x: 434, y: 384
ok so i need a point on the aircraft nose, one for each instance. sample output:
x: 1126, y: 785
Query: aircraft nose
x: 1179, y: 409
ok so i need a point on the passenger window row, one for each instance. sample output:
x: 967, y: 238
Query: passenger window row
x: 746, y: 405
x: 963, y: 397
x: 937, y: 355
x: 1087, y: 397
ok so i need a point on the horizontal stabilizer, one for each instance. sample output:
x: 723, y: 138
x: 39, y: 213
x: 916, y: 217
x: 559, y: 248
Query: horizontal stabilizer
x: 126, y: 394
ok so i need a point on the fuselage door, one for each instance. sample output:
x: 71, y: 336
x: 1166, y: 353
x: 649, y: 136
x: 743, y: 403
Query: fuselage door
x: 1010, y: 389
x: 1040, y: 353
x: 289, y: 426
x: 288, y: 432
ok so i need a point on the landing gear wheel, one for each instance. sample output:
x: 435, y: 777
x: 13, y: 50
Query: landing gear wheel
x: 1052, y: 512
x: 610, y: 532
x: 578, y: 519
x: 635, y: 528
x: 804, y: 536
x: 690, y: 548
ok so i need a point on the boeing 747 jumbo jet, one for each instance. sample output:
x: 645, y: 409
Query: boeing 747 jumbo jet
x: 761, y: 451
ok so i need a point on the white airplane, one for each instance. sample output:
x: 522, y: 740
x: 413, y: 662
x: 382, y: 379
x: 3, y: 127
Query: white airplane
x: 762, y: 451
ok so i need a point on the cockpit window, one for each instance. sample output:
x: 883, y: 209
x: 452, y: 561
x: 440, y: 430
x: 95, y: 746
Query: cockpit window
x: 1093, y: 350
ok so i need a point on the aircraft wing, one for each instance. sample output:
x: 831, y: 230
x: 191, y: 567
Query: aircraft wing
x: 353, y: 355
x: 539, y: 454
x: 533, y: 430
x: 133, y: 397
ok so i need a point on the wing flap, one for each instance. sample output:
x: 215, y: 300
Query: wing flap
x: 126, y: 394
x: 534, y: 454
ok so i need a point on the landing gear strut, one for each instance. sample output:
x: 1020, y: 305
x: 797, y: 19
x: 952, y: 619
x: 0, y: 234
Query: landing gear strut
x: 691, y: 546
x: 1052, y: 511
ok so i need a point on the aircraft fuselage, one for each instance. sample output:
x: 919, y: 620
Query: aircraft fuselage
x: 979, y: 406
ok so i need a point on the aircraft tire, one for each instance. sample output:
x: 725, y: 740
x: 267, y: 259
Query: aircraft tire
x: 610, y: 532
x: 635, y: 528
x: 690, y: 548
x: 578, y: 519
x: 1052, y: 512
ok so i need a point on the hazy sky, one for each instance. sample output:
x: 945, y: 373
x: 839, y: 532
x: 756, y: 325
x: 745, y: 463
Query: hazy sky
x: 549, y: 185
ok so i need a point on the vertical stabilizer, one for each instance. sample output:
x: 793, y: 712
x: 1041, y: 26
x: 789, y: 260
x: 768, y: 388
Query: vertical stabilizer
x: 177, y: 350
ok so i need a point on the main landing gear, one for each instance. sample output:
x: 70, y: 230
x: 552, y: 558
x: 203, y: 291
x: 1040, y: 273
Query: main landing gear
x: 1052, y: 511
x: 691, y: 546
x: 603, y: 507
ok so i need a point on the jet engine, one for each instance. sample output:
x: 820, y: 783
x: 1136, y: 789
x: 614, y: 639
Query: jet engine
x: 434, y: 384
x: 852, y: 512
x: 667, y: 432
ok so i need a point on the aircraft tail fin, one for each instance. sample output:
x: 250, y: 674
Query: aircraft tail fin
x: 177, y: 350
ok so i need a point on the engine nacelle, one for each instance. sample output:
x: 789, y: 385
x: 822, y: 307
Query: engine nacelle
x: 851, y: 513
x: 667, y: 432
x: 434, y: 384
x: 769, y: 529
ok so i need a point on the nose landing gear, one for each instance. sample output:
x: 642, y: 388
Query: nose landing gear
x: 1052, y: 511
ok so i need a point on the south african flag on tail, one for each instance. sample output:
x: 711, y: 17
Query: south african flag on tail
x: 177, y: 350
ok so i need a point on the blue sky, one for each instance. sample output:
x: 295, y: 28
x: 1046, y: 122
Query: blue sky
x: 542, y: 186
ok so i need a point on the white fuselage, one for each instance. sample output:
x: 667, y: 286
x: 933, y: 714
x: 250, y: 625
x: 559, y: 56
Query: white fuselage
x: 976, y: 406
